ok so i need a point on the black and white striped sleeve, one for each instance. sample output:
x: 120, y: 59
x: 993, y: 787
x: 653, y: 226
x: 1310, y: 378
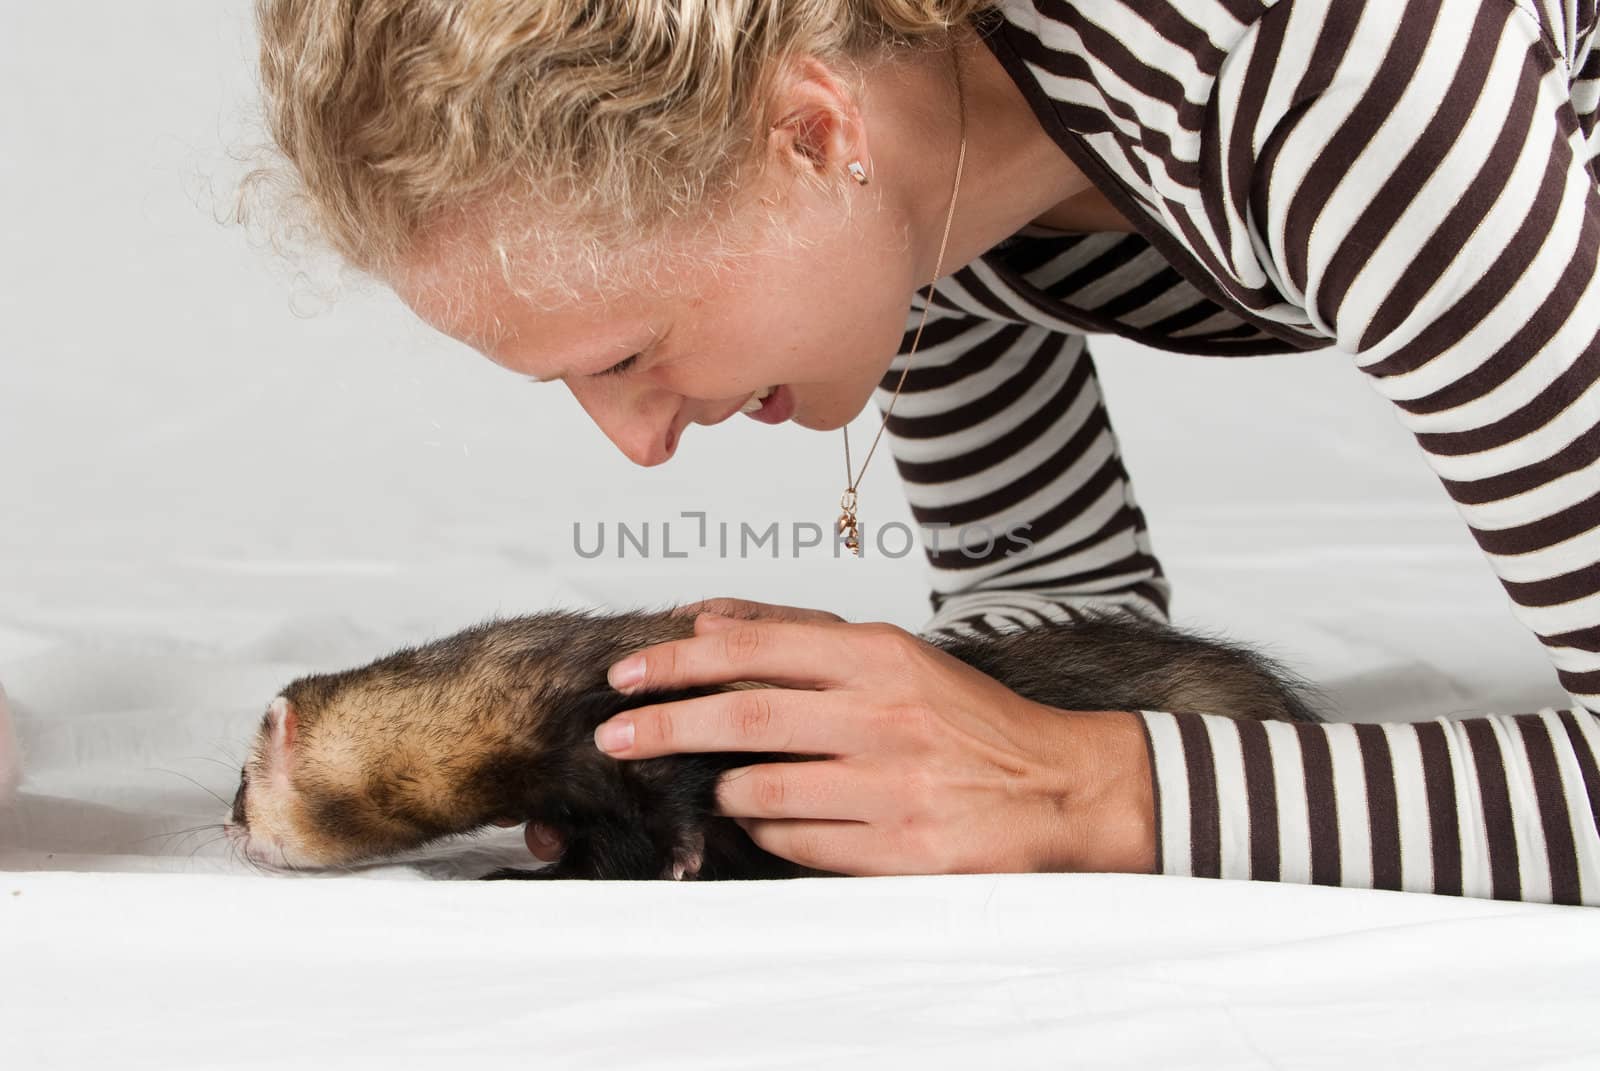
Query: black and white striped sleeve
x: 1014, y: 478
x: 1415, y: 176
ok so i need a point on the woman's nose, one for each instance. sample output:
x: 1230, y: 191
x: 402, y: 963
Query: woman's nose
x: 643, y: 425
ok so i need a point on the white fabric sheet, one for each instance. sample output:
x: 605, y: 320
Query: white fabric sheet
x: 206, y: 494
x: 1021, y: 971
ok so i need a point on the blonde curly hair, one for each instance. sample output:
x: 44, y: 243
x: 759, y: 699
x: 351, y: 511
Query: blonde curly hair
x: 606, y: 129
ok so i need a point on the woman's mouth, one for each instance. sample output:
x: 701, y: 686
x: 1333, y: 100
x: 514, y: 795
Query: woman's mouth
x: 771, y: 406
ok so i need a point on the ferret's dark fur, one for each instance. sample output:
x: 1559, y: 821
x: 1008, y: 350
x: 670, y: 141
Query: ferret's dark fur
x: 497, y: 723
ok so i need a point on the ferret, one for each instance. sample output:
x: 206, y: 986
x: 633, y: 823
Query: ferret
x: 496, y: 724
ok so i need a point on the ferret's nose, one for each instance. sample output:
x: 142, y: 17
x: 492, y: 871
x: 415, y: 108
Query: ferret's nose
x: 256, y: 849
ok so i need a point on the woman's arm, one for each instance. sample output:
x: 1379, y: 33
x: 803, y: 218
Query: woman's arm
x: 1418, y: 182
x: 1014, y: 476
x: 1499, y: 806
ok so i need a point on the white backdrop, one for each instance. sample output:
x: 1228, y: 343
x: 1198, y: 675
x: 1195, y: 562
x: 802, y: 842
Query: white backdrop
x: 187, y: 432
x: 212, y: 484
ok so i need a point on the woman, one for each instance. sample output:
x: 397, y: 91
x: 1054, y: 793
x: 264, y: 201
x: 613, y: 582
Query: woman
x: 684, y: 210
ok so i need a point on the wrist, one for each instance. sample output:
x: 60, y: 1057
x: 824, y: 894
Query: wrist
x: 1101, y: 817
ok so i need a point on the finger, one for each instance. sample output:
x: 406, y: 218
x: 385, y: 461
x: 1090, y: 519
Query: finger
x: 749, y: 610
x: 854, y: 848
x: 742, y: 608
x: 751, y: 719
x: 793, y: 654
x: 825, y: 789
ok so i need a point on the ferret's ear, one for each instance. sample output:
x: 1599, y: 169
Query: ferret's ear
x: 281, y: 717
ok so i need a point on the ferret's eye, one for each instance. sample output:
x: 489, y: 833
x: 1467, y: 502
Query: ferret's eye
x: 239, y: 799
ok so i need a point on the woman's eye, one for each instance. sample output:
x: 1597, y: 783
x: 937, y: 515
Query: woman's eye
x: 619, y: 367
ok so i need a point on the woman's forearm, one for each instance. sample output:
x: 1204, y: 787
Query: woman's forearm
x: 1501, y: 806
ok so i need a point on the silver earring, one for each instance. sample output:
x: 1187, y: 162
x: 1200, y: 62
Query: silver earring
x: 857, y: 172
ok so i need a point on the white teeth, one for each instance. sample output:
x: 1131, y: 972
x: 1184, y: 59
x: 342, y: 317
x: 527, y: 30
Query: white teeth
x: 755, y: 400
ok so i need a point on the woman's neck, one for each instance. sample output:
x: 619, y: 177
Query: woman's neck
x: 1015, y: 174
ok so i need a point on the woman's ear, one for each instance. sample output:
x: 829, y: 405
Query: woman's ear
x: 818, y: 126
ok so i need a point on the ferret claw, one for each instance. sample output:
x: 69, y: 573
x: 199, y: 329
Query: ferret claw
x: 686, y: 864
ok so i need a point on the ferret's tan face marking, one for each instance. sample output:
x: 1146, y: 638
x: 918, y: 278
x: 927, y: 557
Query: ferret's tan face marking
x: 356, y: 766
x: 365, y: 778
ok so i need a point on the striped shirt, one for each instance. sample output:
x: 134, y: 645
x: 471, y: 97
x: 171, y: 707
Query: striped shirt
x: 1411, y: 182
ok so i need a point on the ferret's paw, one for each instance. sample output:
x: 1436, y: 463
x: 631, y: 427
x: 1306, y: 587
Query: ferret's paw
x: 688, y: 860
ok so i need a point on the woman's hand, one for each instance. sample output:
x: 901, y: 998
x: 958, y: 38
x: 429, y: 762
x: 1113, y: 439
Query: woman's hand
x: 926, y: 765
x: 746, y: 610
x: 545, y: 843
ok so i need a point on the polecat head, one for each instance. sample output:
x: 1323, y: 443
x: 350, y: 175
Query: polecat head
x: 427, y: 742
x: 269, y: 820
x: 337, y: 774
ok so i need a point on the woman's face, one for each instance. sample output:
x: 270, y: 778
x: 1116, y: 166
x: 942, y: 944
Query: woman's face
x: 822, y: 318
x: 819, y: 321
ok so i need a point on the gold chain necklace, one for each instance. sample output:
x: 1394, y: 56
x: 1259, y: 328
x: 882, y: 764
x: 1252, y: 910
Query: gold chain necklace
x: 847, y: 519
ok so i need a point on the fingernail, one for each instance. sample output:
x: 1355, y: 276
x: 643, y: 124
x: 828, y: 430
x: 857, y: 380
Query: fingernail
x: 614, y: 735
x: 627, y: 673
